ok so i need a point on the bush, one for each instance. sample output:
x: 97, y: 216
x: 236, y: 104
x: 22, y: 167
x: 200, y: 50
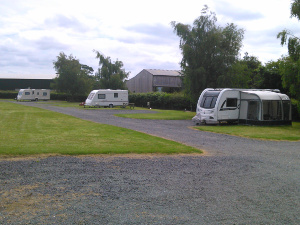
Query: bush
x: 67, y: 97
x: 161, y: 100
x: 295, y: 110
x: 8, y: 94
x: 53, y: 96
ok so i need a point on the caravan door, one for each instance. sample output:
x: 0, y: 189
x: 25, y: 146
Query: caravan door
x: 229, y: 105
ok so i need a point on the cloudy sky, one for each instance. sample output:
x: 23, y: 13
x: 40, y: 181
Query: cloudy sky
x: 136, y: 32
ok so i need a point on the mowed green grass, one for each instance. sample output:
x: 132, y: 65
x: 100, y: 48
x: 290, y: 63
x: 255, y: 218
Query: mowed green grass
x: 161, y: 115
x: 29, y: 130
x: 280, y: 133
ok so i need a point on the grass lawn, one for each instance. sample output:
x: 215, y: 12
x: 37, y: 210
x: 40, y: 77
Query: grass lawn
x: 161, y: 115
x: 282, y: 133
x: 29, y: 130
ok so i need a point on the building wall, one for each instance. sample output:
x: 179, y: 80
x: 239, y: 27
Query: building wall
x: 166, y: 81
x: 141, y: 83
x: 145, y: 81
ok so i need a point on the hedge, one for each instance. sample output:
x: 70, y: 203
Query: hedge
x: 67, y: 97
x: 8, y: 94
x: 162, y: 100
x: 157, y: 100
x: 53, y: 96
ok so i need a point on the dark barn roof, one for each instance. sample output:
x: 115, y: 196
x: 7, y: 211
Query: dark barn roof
x: 15, y: 84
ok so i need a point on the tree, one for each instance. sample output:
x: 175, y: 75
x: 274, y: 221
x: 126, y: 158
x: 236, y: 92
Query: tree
x: 208, y: 51
x: 244, y: 73
x: 290, y: 65
x: 72, y: 77
x: 110, y: 75
x: 253, y: 70
x: 271, y: 78
x: 290, y: 73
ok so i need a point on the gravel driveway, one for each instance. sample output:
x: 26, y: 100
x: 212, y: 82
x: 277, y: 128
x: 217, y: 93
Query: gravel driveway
x: 237, y: 181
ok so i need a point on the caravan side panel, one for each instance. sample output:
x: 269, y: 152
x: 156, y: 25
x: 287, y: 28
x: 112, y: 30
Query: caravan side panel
x: 228, y: 105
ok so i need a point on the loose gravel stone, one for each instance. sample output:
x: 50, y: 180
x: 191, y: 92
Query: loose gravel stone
x: 237, y: 181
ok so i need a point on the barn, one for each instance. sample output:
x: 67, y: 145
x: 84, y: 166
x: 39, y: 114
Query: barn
x: 16, y: 84
x: 152, y: 80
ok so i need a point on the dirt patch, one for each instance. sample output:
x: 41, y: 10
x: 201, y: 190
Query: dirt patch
x: 102, y: 156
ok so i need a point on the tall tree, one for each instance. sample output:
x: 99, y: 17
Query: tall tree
x: 252, y: 71
x: 290, y: 65
x: 110, y: 74
x: 244, y: 73
x: 271, y: 78
x: 72, y: 77
x: 208, y: 51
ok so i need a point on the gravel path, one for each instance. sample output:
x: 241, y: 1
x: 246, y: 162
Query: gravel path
x: 239, y: 181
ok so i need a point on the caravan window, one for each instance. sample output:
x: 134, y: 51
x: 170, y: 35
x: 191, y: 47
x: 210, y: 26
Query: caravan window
x: 272, y: 110
x: 231, y: 102
x: 27, y: 93
x: 101, y: 96
x: 116, y: 95
x: 44, y: 93
x: 209, y: 99
x: 91, y: 96
x: 209, y: 102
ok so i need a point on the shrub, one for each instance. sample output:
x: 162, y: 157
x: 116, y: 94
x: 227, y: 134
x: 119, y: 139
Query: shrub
x: 67, y: 97
x: 8, y: 94
x: 295, y: 110
x: 161, y: 100
x: 53, y: 96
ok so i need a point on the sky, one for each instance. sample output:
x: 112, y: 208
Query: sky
x: 138, y: 33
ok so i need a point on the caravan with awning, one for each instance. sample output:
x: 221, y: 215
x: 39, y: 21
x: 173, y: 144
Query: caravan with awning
x: 247, y: 106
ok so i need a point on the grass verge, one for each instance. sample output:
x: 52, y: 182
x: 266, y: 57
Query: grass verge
x: 29, y: 130
x: 279, y: 133
x: 161, y: 115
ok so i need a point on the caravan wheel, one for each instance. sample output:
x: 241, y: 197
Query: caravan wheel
x: 111, y: 105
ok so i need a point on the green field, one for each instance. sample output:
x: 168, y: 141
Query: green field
x: 161, y: 115
x: 29, y: 130
x: 280, y: 133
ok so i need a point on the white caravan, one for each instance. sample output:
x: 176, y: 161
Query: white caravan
x: 107, y: 98
x: 248, y: 106
x: 33, y: 94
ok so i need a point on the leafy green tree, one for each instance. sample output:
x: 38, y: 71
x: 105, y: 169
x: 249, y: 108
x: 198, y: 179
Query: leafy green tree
x: 290, y: 65
x: 271, y: 78
x: 252, y: 71
x: 244, y: 73
x: 72, y: 77
x: 110, y: 75
x: 290, y: 72
x: 208, y: 51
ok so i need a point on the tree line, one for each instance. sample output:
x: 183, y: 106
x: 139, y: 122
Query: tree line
x: 210, y: 58
x: 74, y: 78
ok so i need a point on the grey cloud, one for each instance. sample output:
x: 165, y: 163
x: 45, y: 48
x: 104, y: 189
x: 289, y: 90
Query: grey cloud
x: 237, y: 14
x: 62, y: 21
x: 27, y: 55
x: 157, y: 34
x: 47, y: 43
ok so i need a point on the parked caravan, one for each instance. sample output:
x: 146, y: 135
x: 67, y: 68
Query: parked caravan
x: 33, y: 94
x: 107, y: 98
x: 247, y: 106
